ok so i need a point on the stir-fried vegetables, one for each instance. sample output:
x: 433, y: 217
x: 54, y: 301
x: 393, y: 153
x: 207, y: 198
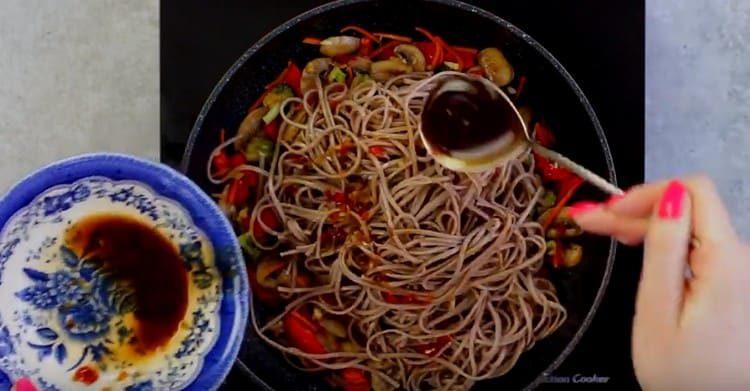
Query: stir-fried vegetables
x: 354, y: 58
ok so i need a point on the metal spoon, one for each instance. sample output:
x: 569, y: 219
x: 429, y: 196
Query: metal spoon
x: 505, y: 145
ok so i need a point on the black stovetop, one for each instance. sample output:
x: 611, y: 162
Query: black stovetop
x: 600, y: 43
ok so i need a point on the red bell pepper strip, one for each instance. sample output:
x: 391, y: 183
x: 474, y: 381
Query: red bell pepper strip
x: 543, y: 134
x: 428, y: 49
x: 271, y: 130
x: 450, y: 54
x: 521, y: 85
x: 269, y: 218
x: 567, y: 190
x: 221, y: 164
x: 355, y: 379
x: 360, y: 30
x: 237, y: 160
x: 311, y: 41
x: 267, y: 296
x: 377, y: 150
x: 365, y: 47
x: 393, y: 298
x: 293, y: 78
x: 557, y: 256
x: 438, y: 58
x: 239, y: 189
x: 433, y: 348
x: 550, y: 171
x: 301, y: 332
x: 466, y: 58
x: 385, y: 51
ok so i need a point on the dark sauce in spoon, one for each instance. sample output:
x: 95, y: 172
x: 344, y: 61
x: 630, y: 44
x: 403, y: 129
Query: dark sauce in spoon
x: 143, y: 261
x: 462, y: 113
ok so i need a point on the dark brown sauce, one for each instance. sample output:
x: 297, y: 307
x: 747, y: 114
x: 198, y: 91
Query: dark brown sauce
x: 143, y: 260
x: 461, y: 113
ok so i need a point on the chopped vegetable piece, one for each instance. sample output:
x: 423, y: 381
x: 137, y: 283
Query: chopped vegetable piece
x: 566, y: 196
x: 385, y: 51
x: 521, y: 86
x: 269, y: 218
x: 543, y: 135
x: 267, y: 296
x: 496, y: 66
x: 279, y: 93
x: 438, y: 57
x: 548, y: 199
x: 221, y: 164
x: 293, y: 78
x: 377, y: 150
x: 237, y: 160
x: 266, y: 268
x: 359, y: 79
x: 271, y: 130
x: 334, y: 327
x: 393, y: 298
x: 86, y: 375
x: 239, y: 189
x: 557, y: 259
x: 248, y: 247
x: 433, y: 348
x: 573, y: 255
x: 339, y: 45
x: 272, y: 113
x: 355, y: 380
x: 258, y: 147
x: 312, y: 41
x: 365, y: 47
x: 336, y: 75
x: 551, y: 171
x: 302, y: 333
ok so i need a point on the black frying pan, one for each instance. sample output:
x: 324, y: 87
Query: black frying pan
x: 551, y: 92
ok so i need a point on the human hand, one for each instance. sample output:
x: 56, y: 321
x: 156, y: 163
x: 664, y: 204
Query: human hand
x: 688, y: 332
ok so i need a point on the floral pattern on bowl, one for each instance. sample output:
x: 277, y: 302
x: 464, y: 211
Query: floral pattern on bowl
x: 62, y: 315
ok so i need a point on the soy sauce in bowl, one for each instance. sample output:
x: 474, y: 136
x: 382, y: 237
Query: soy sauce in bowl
x: 144, y: 263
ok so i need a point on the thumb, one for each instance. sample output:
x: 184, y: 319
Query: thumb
x: 662, y: 285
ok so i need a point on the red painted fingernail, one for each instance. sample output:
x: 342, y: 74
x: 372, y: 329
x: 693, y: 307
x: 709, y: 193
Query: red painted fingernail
x: 24, y: 384
x: 582, y: 207
x: 614, y: 199
x: 670, y: 206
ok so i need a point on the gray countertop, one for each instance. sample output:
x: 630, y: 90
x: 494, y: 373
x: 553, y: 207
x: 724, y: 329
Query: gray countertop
x: 77, y: 76
x: 698, y: 95
x: 84, y: 77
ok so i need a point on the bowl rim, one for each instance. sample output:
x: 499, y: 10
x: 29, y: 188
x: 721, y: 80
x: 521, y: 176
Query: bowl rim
x: 515, y: 31
x: 220, y: 358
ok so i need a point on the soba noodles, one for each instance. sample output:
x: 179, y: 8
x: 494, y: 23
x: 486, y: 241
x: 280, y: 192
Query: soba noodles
x: 385, y: 262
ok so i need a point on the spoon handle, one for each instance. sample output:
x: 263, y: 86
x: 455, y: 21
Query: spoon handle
x: 579, y: 170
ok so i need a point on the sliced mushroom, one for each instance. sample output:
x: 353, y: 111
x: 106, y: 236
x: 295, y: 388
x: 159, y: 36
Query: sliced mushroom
x: 249, y: 127
x: 338, y: 45
x: 360, y: 64
x: 386, y: 69
x: 496, y: 66
x: 411, y: 55
x: 312, y: 71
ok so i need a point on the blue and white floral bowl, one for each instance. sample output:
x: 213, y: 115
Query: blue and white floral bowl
x: 45, y: 288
